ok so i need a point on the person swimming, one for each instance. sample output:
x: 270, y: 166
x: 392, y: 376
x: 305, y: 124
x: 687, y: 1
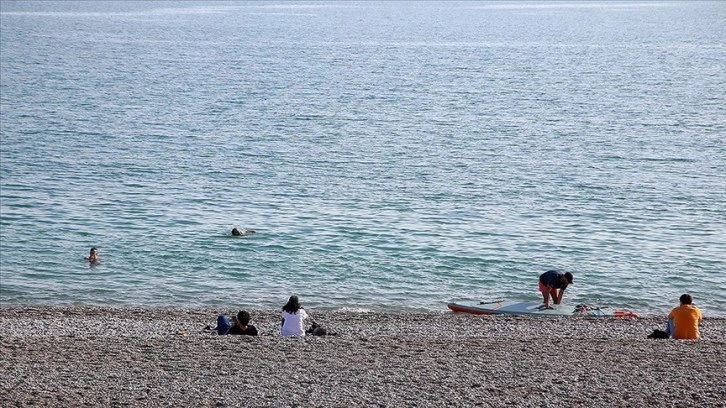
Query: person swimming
x: 93, y: 257
x: 236, y: 232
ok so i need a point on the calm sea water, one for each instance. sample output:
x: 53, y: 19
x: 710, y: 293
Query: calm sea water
x: 391, y: 156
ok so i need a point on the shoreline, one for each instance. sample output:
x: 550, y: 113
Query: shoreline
x: 334, y: 310
x: 60, y: 356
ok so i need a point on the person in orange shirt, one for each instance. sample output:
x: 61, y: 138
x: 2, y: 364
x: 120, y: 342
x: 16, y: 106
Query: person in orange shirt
x: 683, y: 320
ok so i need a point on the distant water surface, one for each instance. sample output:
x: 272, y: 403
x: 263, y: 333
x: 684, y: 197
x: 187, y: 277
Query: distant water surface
x: 390, y: 155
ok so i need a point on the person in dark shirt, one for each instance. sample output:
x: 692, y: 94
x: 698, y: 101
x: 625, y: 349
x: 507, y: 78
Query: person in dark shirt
x: 552, y: 284
x: 242, y: 325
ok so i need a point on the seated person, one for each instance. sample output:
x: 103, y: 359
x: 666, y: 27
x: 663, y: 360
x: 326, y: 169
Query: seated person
x: 242, y: 326
x: 683, y: 320
x: 293, y: 317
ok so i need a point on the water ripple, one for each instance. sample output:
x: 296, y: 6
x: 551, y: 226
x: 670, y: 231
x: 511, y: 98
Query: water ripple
x: 386, y: 162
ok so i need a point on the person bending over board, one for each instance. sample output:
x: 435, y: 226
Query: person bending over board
x: 683, y: 320
x: 293, y: 316
x: 552, y: 284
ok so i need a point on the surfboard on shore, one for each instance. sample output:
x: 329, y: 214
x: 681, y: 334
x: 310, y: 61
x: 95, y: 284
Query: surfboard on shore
x: 524, y: 308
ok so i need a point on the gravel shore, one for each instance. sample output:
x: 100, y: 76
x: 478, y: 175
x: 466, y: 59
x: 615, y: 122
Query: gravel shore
x: 154, y: 357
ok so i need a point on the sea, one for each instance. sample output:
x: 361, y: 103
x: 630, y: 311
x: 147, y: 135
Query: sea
x: 391, y: 156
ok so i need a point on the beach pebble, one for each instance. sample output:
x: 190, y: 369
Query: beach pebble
x: 114, y: 357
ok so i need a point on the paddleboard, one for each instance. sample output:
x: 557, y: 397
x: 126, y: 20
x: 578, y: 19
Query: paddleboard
x: 524, y: 308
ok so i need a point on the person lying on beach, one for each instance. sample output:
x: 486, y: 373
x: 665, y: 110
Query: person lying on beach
x: 683, y: 320
x: 241, y: 325
x: 93, y: 257
x: 237, y: 233
x: 552, y: 284
x: 293, y: 318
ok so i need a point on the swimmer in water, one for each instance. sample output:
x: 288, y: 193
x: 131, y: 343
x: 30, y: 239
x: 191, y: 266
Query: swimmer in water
x: 93, y: 256
x: 237, y: 233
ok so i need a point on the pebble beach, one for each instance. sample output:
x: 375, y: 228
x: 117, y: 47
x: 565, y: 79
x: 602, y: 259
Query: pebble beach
x: 63, y: 357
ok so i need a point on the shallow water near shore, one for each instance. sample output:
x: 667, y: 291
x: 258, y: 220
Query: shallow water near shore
x: 390, y: 156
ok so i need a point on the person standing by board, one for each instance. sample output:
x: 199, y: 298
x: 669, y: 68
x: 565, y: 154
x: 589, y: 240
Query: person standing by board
x: 552, y: 284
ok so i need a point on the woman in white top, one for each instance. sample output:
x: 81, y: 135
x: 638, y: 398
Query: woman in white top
x: 293, y: 317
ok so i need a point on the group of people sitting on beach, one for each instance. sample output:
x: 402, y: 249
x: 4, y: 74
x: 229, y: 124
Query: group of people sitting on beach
x: 683, y: 321
x: 292, y: 325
